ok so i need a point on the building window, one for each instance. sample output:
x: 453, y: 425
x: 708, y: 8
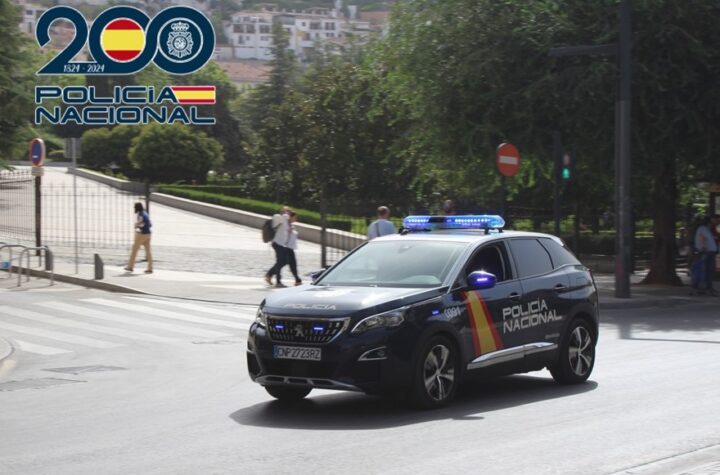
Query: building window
x: 240, y: 40
x: 265, y: 29
x: 249, y: 28
x: 238, y: 29
x: 315, y: 25
x: 329, y: 25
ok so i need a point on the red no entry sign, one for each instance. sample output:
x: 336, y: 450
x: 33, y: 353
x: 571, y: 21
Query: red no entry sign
x: 508, y: 159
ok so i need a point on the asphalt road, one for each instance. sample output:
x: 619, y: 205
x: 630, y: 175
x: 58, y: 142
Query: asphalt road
x: 119, y: 384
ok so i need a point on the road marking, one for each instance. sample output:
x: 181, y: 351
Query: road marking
x: 164, y: 313
x: 101, y: 315
x: 39, y: 349
x: 59, y: 336
x: 44, y: 318
x: 236, y: 313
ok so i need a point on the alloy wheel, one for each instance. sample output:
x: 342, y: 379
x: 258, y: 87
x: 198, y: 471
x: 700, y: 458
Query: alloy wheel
x: 439, y: 372
x: 580, y: 351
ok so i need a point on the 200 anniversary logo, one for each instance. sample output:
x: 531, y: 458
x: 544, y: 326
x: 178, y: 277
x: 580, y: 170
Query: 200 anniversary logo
x: 124, y: 40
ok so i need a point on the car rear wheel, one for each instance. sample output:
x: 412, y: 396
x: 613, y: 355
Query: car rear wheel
x: 577, y: 354
x: 287, y: 393
x: 436, y: 374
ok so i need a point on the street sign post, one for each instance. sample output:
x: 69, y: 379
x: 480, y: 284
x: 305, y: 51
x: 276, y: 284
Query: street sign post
x: 508, y: 159
x: 36, y: 153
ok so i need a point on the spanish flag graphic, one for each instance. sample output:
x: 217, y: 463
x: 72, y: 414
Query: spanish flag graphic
x: 484, y: 334
x: 122, y: 40
x: 194, y: 94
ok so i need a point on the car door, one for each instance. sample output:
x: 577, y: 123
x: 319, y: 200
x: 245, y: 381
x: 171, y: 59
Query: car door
x: 538, y: 319
x: 482, y: 320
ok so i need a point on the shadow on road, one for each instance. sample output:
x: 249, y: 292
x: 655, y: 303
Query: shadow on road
x: 700, y: 320
x: 343, y: 411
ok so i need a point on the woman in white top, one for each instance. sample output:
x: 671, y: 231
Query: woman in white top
x: 291, y: 246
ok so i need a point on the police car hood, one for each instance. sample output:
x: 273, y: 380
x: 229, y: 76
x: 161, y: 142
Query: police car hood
x: 334, y: 301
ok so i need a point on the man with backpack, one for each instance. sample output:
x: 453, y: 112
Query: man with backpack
x: 277, y: 230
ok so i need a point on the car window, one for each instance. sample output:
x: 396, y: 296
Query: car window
x: 530, y: 257
x: 401, y: 263
x: 560, y: 255
x: 492, y: 259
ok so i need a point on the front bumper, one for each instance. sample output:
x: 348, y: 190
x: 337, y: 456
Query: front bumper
x: 340, y: 367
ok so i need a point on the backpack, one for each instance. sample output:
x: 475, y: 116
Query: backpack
x: 268, y: 232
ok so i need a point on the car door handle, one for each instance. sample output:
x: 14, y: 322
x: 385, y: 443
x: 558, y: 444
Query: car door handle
x: 514, y: 297
x: 560, y: 287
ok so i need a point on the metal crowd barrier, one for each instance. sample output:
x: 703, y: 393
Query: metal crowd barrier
x: 8, y: 265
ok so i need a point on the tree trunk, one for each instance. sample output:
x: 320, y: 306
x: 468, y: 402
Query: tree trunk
x: 662, y: 262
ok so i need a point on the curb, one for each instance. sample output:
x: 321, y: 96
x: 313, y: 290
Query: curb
x: 90, y: 283
x: 6, y: 349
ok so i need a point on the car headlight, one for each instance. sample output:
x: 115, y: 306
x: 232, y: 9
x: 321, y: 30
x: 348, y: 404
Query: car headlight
x: 261, y: 318
x: 389, y: 319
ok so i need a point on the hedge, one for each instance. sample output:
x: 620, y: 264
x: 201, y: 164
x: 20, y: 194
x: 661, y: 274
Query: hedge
x: 253, y: 206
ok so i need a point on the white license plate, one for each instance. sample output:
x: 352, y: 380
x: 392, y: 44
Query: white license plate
x: 296, y: 353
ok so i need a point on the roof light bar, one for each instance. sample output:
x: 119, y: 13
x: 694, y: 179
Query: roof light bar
x: 479, y: 221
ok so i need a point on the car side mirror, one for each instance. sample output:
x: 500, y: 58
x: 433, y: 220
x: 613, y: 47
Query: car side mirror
x: 316, y: 275
x: 480, y: 280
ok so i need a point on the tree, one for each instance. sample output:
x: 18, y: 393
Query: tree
x: 171, y: 153
x: 469, y: 81
x: 15, y: 79
x: 109, y: 148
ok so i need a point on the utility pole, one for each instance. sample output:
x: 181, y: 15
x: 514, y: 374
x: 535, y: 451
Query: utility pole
x: 623, y: 199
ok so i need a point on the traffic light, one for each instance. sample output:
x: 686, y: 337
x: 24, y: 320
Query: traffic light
x: 566, y: 173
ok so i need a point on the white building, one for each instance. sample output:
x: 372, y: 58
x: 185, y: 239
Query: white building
x: 250, y: 33
x: 30, y: 15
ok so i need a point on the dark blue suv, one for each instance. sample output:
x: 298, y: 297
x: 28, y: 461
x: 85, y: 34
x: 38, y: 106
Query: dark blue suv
x: 417, y: 312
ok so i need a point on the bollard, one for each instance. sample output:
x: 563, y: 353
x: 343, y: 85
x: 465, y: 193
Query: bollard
x: 49, y: 262
x: 99, y: 269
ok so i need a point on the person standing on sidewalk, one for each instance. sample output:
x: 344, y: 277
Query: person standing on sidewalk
x: 281, y: 226
x: 706, y: 246
x: 142, y: 238
x: 291, y: 246
x: 381, y: 226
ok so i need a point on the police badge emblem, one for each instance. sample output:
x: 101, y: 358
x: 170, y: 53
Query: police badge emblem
x: 180, y: 41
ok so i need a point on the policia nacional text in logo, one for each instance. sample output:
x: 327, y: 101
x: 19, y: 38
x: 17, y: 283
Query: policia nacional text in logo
x: 127, y: 105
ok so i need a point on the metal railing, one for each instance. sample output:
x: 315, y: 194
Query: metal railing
x: 48, y: 263
x: 43, y: 253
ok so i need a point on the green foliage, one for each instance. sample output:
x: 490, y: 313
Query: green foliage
x: 15, y: 79
x: 199, y: 193
x: 169, y: 153
x: 105, y: 148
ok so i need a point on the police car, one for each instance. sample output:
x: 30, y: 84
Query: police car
x: 418, y: 312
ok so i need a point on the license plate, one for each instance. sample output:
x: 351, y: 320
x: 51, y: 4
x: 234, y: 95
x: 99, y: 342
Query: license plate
x: 296, y: 353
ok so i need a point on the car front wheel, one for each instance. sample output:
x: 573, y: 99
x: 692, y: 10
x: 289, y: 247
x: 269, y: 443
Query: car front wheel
x: 287, y: 394
x: 436, y: 374
x: 577, y: 354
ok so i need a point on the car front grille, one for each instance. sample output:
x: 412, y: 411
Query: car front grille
x: 305, y: 330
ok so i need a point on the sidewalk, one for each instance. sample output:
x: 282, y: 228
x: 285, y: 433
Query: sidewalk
x: 252, y: 290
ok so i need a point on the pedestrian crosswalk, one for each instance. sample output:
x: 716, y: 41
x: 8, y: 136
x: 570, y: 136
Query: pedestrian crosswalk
x: 56, y: 327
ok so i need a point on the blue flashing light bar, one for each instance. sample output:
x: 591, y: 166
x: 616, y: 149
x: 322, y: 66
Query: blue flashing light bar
x: 479, y: 221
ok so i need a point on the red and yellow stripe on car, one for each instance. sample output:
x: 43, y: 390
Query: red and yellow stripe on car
x: 484, y: 334
x: 122, y: 40
x: 194, y: 94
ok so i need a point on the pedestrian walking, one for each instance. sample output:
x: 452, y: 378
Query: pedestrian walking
x: 382, y: 225
x: 281, y: 227
x: 292, y: 246
x: 702, y: 271
x: 142, y: 238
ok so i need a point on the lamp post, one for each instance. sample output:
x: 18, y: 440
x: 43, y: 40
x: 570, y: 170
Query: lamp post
x: 623, y: 200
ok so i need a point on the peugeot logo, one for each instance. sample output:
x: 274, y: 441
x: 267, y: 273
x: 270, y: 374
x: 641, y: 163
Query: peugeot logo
x: 299, y: 332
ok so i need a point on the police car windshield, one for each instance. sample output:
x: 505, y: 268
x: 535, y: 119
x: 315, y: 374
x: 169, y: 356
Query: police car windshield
x: 404, y: 263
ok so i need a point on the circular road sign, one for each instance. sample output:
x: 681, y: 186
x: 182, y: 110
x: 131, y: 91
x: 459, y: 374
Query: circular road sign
x: 37, y: 152
x: 508, y: 159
